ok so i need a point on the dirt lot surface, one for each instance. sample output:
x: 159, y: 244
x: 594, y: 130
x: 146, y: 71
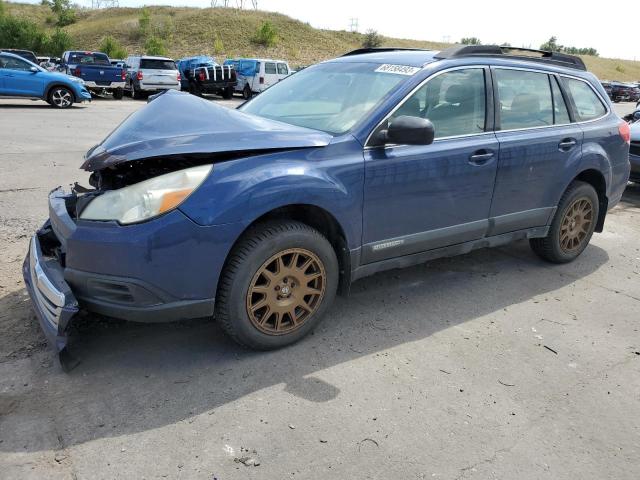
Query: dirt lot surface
x: 488, y: 365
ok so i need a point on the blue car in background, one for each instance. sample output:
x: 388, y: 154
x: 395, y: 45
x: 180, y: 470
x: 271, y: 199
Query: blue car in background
x: 202, y: 74
x: 376, y: 160
x: 22, y: 78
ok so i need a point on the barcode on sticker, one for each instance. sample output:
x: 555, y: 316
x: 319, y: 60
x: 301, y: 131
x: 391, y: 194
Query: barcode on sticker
x: 397, y: 69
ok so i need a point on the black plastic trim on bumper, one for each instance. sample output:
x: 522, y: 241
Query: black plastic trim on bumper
x: 52, y: 299
x: 165, y: 312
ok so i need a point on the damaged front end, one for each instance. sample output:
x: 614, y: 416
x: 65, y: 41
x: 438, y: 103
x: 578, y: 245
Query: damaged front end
x: 118, y: 249
x: 43, y: 272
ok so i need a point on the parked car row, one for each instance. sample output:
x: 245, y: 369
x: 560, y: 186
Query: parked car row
x: 622, y: 92
x: 142, y: 75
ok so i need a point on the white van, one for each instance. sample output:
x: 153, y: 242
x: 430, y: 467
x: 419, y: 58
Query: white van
x: 257, y: 74
x: 147, y: 74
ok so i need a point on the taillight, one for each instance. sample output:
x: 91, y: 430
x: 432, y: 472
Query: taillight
x: 179, y: 77
x: 625, y: 131
x: 139, y: 75
x: 261, y: 80
x: 76, y: 72
x: 124, y: 74
x: 201, y: 76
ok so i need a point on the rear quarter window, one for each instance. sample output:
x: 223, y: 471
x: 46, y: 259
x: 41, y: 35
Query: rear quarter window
x: 588, y: 104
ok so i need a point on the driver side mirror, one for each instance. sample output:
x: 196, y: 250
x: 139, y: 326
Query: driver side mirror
x: 33, y: 69
x: 406, y: 130
x: 636, y: 115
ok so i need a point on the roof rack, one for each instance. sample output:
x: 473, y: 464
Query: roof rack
x: 360, y: 51
x: 562, y: 59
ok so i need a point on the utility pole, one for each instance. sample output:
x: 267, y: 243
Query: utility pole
x: 353, y: 24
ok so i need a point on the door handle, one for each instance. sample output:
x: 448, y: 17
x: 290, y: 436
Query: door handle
x: 567, y: 144
x: 481, y: 157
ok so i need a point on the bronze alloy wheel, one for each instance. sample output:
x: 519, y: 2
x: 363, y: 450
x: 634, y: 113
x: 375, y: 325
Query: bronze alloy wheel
x: 576, y: 224
x: 286, y: 291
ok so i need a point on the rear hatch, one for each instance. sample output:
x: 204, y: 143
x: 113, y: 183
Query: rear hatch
x: 158, y: 71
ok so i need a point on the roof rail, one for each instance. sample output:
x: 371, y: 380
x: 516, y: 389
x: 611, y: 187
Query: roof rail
x: 562, y: 59
x: 360, y: 51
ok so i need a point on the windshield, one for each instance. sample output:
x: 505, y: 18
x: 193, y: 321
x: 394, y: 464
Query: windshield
x: 89, y: 58
x: 331, y: 97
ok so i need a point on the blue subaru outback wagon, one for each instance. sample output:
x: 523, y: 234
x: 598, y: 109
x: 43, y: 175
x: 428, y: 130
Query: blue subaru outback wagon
x: 376, y: 160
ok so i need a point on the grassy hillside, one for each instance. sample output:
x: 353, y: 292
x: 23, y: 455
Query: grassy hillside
x: 189, y: 31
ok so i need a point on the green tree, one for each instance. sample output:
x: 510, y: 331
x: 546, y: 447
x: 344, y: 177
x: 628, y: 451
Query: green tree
x: 112, y: 47
x: 470, y: 41
x: 18, y: 32
x: 551, y: 45
x: 155, y: 46
x: 58, y: 43
x: 63, y: 10
x: 266, y: 35
x: 372, y: 39
x: 2, y: 8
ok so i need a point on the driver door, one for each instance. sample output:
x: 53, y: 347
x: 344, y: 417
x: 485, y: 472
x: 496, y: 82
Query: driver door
x: 423, y: 197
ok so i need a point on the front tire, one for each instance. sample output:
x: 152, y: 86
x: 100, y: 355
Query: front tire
x: 276, y: 285
x: 246, y: 92
x: 572, y: 226
x: 60, y: 97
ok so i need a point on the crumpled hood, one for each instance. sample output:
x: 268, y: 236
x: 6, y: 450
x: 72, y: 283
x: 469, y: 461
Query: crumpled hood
x: 178, y: 123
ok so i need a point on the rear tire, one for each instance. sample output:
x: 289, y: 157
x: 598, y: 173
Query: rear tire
x: 227, y: 93
x: 135, y: 93
x: 572, y: 225
x: 60, y: 97
x: 246, y: 92
x: 118, y: 93
x: 273, y: 271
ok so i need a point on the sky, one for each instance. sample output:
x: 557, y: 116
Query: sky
x: 574, y: 23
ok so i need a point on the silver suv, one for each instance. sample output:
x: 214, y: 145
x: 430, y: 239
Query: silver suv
x: 146, y: 74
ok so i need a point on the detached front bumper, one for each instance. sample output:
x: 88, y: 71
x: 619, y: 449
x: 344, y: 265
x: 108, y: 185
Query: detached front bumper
x: 52, y: 299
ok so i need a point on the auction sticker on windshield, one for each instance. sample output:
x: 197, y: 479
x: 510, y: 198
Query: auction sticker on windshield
x: 398, y: 69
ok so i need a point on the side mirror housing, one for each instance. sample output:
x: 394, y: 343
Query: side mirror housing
x: 406, y: 130
x: 33, y: 69
x: 636, y: 115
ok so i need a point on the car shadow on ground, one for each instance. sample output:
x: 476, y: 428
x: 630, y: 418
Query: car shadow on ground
x: 631, y: 197
x: 137, y: 377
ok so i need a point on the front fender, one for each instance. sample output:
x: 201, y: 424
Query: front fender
x: 244, y: 190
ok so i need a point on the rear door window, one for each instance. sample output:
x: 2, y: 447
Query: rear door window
x: 282, y: 69
x: 155, y: 64
x: 560, y: 110
x: 524, y: 99
x: 588, y: 104
x: 270, y: 68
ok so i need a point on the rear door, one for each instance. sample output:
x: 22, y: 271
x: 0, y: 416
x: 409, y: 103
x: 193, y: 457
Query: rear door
x: 538, y: 143
x: 270, y: 74
x: 18, y: 79
x: 283, y: 71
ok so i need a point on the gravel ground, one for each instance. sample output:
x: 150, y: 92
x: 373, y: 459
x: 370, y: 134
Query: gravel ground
x: 489, y: 365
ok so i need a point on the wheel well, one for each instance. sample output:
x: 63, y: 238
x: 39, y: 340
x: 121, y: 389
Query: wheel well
x: 326, y: 224
x: 596, y: 180
x: 51, y: 87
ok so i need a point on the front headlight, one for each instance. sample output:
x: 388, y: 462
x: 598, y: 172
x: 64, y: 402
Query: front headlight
x: 146, y: 199
x: 76, y: 79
